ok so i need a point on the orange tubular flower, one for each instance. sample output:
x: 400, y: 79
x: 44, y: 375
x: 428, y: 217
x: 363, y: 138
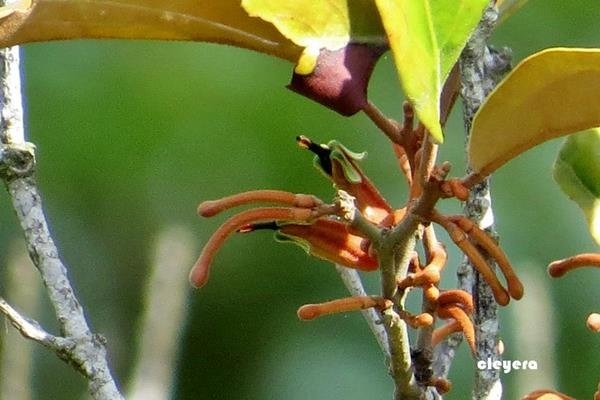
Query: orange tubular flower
x: 330, y: 240
x: 459, y: 315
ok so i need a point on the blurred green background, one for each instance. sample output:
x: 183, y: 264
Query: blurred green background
x: 132, y: 135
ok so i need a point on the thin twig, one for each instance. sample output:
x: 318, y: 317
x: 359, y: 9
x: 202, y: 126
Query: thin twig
x: 27, y: 328
x: 79, y: 346
x: 353, y: 283
x: 388, y: 126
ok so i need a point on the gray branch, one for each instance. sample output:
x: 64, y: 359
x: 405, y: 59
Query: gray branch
x: 481, y: 69
x: 77, y: 345
x: 353, y: 283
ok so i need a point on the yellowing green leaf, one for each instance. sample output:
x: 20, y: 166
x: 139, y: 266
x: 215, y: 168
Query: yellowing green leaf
x: 319, y: 24
x: 550, y: 94
x: 427, y: 37
x: 222, y: 21
x: 577, y: 171
x: 506, y: 8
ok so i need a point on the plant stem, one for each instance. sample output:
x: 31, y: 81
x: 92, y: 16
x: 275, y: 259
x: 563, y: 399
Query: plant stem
x: 353, y: 283
x: 79, y: 346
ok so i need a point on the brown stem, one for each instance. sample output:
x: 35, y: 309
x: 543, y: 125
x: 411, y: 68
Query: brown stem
x: 388, y: 126
x: 403, y: 163
x: 472, y: 179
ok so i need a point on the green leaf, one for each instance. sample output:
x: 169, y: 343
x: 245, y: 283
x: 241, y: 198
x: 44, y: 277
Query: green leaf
x: 427, y: 37
x: 319, y: 24
x: 222, y: 21
x: 577, y: 172
x: 550, y: 94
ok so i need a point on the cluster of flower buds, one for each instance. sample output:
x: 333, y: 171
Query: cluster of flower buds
x: 304, y: 219
x: 323, y: 231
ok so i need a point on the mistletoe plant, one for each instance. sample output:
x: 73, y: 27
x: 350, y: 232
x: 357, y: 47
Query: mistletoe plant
x: 334, y: 45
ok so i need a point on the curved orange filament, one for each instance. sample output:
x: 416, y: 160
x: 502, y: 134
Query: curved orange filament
x: 558, y: 268
x: 200, y: 271
x: 416, y: 321
x: 424, y: 277
x: 213, y: 207
x: 444, y: 331
x: 459, y: 237
x: 514, y: 285
x: 330, y: 240
x: 459, y: 315
x: 311, y: 311
x: 432, y: 293
x: 456, y: 297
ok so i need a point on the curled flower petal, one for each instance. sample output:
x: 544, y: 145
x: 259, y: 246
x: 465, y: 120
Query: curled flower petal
x: 341, y: 166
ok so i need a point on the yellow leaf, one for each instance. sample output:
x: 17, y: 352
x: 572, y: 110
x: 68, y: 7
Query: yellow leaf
x: 222, y: 21
x: 550, y: 94
x: 319, y: 24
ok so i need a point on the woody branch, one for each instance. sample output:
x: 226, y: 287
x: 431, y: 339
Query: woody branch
x: 76, y: 345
